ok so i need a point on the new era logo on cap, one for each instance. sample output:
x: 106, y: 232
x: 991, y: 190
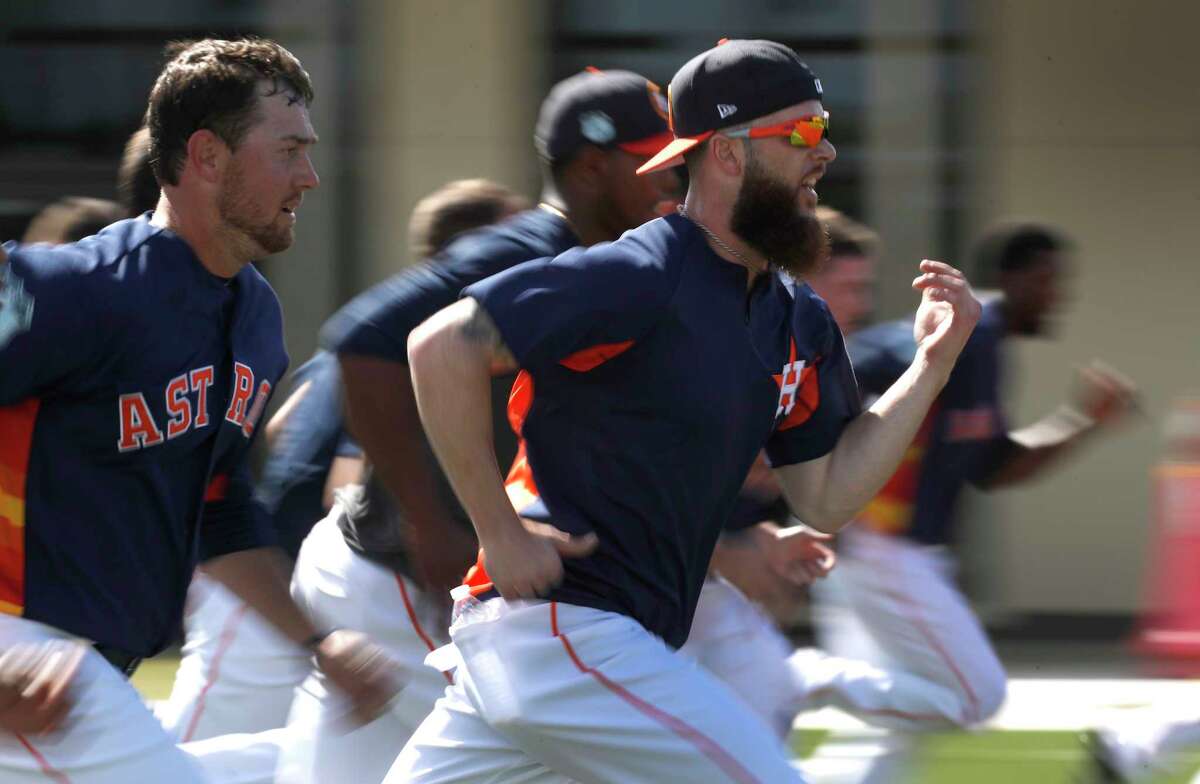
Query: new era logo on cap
x: 725, y: 109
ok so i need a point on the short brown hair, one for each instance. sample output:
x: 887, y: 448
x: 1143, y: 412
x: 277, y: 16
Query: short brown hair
x: 212, y: 84
x: 847, y: 237
x: 72, y: 218
x: 458, y: 207
x: 137, y: 188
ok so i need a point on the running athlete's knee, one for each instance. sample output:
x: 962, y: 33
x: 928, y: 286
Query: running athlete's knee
x: 991, y: 694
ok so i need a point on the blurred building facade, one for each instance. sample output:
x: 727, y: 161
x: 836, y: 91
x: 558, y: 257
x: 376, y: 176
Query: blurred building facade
x: 948, y: 116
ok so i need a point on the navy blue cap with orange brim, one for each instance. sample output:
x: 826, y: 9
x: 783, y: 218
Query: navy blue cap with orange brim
x: 734, y: 82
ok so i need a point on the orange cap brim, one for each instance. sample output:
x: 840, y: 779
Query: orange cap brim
x: 649, y: 145
x: 671, y: 155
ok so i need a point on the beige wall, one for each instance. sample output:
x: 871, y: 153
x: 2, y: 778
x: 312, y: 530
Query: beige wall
x: 450, y: 90
x: 446, y: 90
x: 1091, y: 122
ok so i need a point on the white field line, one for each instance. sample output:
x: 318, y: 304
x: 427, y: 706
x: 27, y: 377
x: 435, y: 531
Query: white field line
x: 1061, y: 704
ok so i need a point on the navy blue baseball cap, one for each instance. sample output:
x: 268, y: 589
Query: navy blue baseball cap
x: 734, y: 82
x: 604, y: 109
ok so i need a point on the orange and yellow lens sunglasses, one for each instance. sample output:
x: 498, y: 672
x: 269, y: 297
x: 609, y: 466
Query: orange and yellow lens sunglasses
x: 802, y: 132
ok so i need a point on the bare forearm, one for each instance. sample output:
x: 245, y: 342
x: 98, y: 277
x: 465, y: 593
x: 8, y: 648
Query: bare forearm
x: 382, y: 415
x: 451, y: 373
x: 1035, y: 449
x: 830, y: 493
x: 260, y: 577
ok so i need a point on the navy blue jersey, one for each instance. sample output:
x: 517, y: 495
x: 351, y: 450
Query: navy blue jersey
x: 377, y: 324
x: 961, y: 439
x: 292, y: 488
x: 650, y: 381
x: 131, y: 381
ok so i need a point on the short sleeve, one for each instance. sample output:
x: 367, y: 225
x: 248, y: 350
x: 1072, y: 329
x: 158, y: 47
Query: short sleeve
x: 587, y: 298
x: 377, y: 322
x: 828, y: 396
x: 347, y: 446
x: 49, y: 328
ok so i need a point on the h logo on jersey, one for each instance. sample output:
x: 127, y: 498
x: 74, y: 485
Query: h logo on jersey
x: 789, y: 387
x: 799, y: 391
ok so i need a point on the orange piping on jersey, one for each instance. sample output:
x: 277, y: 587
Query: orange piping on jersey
x: 520, y: 399
x: 17, y: 424
x: 594, y: 357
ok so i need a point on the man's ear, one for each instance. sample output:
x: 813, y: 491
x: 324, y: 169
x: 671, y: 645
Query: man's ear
x: 207, y: 155
x: 727, y: 155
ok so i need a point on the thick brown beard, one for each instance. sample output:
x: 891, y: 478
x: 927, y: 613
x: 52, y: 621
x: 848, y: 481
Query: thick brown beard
x: 236, y: 207
x: 767, y: 218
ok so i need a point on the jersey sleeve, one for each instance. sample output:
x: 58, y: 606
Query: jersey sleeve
x: 604, y: 297
x: 377, y: 322
x: 50, y: 330
x: 233, y: 520
x: 826, y: 401
x: 347, y: 446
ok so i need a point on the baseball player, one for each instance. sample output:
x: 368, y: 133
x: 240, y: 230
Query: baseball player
x: 895, y: 571
x: 238, y: 674
x: 134, y: 367
x: 765, y: 559
x: 653, y: 371
x: 378, y: 559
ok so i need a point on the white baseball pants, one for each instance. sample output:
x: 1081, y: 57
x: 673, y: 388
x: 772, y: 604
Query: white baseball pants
x: 551, y: 692
x: 338, y: 587
x: 237, y: 675
x: 939, y: 669
x: 109, y: 737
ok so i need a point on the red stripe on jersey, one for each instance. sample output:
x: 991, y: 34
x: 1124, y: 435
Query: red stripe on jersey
x: 217, y: 488
x: 521, y: 487
x: 520, y: 399
x: 477, y: 577
x: 17, y: 424
x: 594, y: 357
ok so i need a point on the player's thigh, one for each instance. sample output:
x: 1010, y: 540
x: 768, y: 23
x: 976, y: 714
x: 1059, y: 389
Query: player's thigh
x: 597, y: 698
x: 736, y: 642
x: 109, y: 737
x: 908, y: 601
x: 454, y: 744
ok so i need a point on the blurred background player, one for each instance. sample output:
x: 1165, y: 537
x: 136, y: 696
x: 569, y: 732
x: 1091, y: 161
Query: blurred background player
x: 895, y: 571
x: 388, y: 552
x: 125, y: 443
x: 137, y: 188
x: 72, y: 218
x: 846, y: 280
x: 238, y: 674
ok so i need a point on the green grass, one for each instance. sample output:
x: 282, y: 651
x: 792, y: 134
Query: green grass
x: 999, y: 757
x: 959, y: 758
x: 154, y: 677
